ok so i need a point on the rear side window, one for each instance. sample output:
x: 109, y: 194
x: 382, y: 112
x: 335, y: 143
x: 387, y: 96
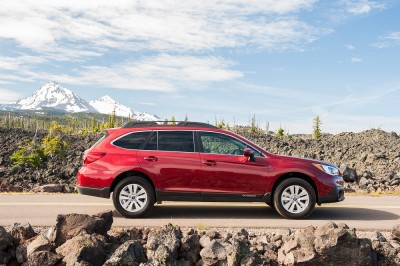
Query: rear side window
x: 171, y: 141
x: 176, y: 141
x: 132, y: 141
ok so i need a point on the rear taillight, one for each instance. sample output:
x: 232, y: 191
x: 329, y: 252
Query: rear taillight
x: 91, y: 157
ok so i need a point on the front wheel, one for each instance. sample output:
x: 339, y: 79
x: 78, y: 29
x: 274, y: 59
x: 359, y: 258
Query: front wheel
x: 133, y: 197
x: 294, y: 198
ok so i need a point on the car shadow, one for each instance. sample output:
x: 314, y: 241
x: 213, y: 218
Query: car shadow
x: 263, y: 212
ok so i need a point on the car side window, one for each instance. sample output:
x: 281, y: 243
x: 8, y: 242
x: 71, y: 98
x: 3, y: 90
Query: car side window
x: 171, y: 141
x: 132, y: 141
x: 151, y: 143
x: 176, y: 141
x: 222, y: 144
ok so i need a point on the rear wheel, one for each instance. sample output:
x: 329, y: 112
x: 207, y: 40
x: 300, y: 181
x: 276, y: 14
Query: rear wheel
x: 133, y: 197
x: 294, y: 198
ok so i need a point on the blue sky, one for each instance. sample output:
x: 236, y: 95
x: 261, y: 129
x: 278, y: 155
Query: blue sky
x: 284, y: 61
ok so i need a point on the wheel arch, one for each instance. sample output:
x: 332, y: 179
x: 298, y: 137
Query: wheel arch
x: 126, y: 174
x: 296, y: 175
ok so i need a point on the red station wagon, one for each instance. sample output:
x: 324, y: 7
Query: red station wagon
x: 143, y: 163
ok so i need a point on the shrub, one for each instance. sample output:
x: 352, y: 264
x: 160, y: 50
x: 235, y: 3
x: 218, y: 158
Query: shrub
x: 54, y: 146
x: 30, y: 154
x: 279, y: 133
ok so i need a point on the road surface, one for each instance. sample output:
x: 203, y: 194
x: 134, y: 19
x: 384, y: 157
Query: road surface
x: 360, y: 212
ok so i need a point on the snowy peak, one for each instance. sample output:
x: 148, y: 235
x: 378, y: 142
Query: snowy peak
x: 52, y: 95
x: 106, y: 105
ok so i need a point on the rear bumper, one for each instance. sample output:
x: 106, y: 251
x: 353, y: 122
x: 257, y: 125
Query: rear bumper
x: 336, y: 195
x: 95, y: 192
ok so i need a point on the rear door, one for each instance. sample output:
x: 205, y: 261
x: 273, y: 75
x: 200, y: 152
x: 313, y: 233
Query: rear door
x: 227, y: 172
x: 173, y: 161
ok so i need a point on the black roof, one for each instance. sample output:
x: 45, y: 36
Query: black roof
x: 166, y: 123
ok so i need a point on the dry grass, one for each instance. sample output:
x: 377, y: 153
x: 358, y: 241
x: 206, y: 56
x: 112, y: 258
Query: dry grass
x: 201, y: 227
x: 374, y: 194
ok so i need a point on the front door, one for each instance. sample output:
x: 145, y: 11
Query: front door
x: 227, y: 172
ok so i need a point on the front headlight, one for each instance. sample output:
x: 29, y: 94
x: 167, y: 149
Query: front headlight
x: 327, y: 169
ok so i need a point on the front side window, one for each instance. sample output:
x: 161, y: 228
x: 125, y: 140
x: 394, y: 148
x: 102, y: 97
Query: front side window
x: 222, y: 144
x: 171, y: 141
x: 132, y: 141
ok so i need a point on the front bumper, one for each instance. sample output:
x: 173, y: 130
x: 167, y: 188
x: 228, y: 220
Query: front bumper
x: 336, y: 195
x: 95, y: 192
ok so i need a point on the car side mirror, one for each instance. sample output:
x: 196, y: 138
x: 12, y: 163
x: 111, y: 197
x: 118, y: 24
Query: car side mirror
x: 249, y: 153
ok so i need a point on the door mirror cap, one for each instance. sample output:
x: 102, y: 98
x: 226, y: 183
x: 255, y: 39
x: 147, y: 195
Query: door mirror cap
x: 249, y: 153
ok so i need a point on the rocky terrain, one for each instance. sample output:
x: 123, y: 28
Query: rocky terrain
x: 79, y: 239
x: 370, y: 160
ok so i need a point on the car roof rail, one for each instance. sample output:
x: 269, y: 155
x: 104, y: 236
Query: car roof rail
x: 166, y: 123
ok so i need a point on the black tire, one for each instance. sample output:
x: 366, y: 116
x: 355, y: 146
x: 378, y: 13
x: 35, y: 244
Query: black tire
x: 294, y: 198
x: 139, y: 202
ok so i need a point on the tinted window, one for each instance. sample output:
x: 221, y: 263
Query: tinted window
x: 222, y: 144
x: 132, y: 141
x: 176, y: 141
x: 151, y: 144
x: 171, y: 141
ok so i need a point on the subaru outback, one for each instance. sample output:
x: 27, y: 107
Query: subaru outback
x: 143, y: 163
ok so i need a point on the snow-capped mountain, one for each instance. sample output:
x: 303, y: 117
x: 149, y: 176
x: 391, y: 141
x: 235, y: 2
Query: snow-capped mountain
x: 106, y: 105
x: 52, y: 96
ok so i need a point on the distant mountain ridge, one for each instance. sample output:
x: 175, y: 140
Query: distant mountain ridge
x: 53, y: 96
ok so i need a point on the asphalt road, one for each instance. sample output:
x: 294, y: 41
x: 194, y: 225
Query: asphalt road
x: 360, y: 212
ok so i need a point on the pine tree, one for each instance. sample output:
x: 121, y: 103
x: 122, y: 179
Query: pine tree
x: 173, y: 120
x: 317, y: 127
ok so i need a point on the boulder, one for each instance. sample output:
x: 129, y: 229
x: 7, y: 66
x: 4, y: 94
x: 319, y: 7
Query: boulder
x: 39, y: 252
x: 396, y: 232
x: 128, y: 254
x: 238, y: 252
x: 163, y: 244
x: 299, y: 248
x: 386, y: 254
x: 213, y: 253
x: 6, y: 239
x: 40, y: 243
x: 204, y: 241
x: 22, y: 232
x: 21, y: 252
x: 330, y: 244
x: 70, y: 225
x: 49, y: 188
x: 41, y: 258
x: 350, y: 175
x: 190, y: 248
x: 83, y: 249
x: 4, y: 257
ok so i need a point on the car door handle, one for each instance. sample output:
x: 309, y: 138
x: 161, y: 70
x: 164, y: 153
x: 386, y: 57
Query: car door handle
x: 151, y: 158
x: 209, y: 162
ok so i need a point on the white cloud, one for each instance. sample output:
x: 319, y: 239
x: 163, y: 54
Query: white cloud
x: 356, y: 59
x: 163, y: 72
x: 350, y: 47
x: 7, y: 96
x: 91, y: 27
x: 389, y: 40
x: 361, y: 7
